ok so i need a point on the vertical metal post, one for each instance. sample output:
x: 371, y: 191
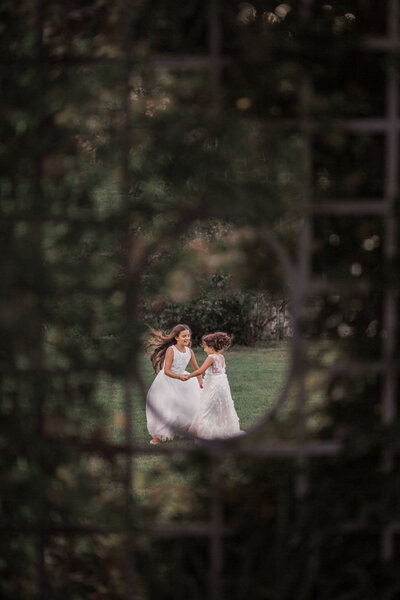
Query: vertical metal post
x: 390, y: 242
x: 126, y: 130
x: 216, y: 541
x: 305, y: 255
x: 214, y: 45
x: 37, y: 357
x: 390, y: 319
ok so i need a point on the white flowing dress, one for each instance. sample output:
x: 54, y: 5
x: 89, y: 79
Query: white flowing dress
x: 216, y: 416
x: 171, y: 403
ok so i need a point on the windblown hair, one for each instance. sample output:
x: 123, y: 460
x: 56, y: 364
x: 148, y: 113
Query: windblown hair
x: 218, y: 341
x: 161, y: 342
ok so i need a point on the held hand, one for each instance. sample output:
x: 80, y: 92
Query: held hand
x: 184, y: 377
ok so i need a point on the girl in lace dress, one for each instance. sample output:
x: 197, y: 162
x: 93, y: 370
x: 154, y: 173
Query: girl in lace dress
x: 171, y: 401
x: 216, y: 416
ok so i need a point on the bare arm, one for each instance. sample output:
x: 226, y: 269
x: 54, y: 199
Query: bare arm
x: 209, y: 361
x: 195, y: 367
x: 169, y: 357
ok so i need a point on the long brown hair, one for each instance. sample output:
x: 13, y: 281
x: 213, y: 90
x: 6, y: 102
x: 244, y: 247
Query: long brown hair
x: 218, y: 340
x: 161, y: 342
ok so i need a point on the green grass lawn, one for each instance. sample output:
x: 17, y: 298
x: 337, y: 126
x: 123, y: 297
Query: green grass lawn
x: 168, y: 486
x: 256, y: 376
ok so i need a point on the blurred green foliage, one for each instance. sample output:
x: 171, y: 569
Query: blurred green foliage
x: 216, y: 308
x: 117, y: 163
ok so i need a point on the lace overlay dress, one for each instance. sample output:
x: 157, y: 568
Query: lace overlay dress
x: 216, y: 416
x: 171, y: 404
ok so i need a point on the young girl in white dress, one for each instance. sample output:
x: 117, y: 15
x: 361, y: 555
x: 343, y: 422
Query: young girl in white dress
x: 171, y: 401
x: 216, y: 416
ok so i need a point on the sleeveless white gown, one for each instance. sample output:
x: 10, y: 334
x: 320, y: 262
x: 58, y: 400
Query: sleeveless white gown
x: 216, y: 416
x: 171, y: 403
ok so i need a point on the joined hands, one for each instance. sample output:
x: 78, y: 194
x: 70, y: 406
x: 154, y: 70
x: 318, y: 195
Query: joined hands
x: 186, y: 376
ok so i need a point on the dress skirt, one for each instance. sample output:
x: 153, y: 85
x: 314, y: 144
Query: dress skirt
x: 216, y: 417
x: 171, y: 405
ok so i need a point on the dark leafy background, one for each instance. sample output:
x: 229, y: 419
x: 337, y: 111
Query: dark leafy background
x: 110, y: 172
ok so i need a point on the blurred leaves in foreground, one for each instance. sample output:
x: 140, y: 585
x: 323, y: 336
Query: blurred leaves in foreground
x: 136, y: 174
